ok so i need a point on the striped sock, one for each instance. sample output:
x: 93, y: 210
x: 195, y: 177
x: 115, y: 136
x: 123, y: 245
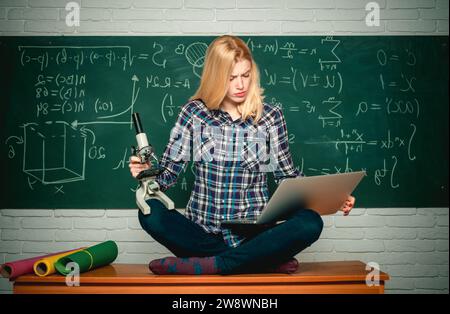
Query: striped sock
x: 288, y: 267
x: 184, y: 266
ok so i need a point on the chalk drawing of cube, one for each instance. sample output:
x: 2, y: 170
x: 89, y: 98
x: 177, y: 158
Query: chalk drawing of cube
x: 54, y: 152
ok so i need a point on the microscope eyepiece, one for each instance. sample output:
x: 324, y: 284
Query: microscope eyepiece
x: 137, y: 123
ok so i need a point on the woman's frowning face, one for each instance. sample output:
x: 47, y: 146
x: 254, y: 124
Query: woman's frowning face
x: 239, y: 82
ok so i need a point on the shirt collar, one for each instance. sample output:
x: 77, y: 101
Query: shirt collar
x: 225, y: 117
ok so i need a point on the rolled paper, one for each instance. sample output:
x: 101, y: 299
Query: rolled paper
x: 12, y: 270
x: 45, y: 266
x: 95, y: 256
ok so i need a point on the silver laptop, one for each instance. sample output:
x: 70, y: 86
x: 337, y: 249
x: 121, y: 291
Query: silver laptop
x: 325, y: 194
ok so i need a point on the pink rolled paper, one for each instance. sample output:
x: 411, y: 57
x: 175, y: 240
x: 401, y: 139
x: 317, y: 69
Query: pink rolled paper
x: 12, y: 270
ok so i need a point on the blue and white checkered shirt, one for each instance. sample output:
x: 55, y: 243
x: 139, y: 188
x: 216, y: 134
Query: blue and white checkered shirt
x: 230, y: 179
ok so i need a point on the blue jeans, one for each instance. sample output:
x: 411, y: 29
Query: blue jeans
x: 263, y: 250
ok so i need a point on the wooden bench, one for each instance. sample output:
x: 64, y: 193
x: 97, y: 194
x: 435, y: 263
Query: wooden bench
x: 320, y: 277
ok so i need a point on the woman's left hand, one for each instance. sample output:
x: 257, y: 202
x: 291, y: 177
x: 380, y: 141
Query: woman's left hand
x: 348, y: 205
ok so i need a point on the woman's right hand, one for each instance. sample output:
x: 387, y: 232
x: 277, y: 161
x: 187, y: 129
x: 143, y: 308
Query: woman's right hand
x: 136, y: 167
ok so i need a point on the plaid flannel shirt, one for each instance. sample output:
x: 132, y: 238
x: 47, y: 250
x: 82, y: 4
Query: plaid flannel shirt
x: 230, y: 180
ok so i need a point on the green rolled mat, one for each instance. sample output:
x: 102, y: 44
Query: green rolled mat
x: 95, y: 256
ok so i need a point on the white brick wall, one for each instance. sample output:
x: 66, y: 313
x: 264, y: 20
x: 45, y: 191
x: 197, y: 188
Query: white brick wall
x: 186, y: 17
x: 410, y: 244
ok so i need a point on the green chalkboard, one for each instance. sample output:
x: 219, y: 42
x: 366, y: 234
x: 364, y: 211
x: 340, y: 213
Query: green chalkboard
x: 376, y: 103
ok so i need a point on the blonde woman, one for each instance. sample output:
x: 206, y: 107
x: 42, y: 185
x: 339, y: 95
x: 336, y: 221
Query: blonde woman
x: 230, y: 181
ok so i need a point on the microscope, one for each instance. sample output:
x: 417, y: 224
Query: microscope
x: 148, y: 187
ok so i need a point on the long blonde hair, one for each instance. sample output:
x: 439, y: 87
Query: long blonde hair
x: 221, y: 56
